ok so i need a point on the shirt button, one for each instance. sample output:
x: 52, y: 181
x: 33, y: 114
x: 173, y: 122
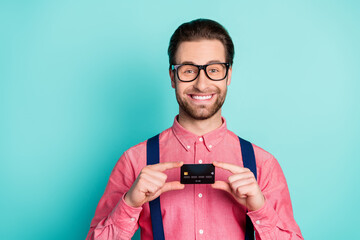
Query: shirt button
x: 210, y: 146
x: 201, y: 139
x: 257, y: 222
x: 200, y: 161
x: 200, y: 195
x: 201, y: 231
x: 132, y: 219
x: 188, y: 147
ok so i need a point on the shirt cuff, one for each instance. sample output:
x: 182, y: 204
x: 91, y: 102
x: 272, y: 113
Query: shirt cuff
x: 125, y: 217
x: 264, y: 219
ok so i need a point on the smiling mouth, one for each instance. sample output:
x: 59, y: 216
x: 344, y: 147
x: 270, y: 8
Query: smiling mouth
x: 201, y: 97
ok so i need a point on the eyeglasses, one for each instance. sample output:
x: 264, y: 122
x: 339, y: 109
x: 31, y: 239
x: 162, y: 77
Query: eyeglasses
x: 189, y: 72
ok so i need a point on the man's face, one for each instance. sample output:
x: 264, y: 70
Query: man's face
x: 202, y: 98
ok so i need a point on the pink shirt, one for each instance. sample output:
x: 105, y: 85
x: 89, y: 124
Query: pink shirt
x: 198, y: 211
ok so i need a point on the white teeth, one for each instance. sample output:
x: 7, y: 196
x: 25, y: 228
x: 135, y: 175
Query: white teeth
x: 201, y: 97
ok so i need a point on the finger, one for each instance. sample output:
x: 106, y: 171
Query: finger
x: 165, y: 166
x: 149, y: 189
x: 230, y: 167
x: 175, y: 185
x: 242, y: 182
x: 247, y: 190
x: 151, y: 179
x: 155, y: 174
x: 221, y: 185
x: 240, y: 176
x: 153, y: 195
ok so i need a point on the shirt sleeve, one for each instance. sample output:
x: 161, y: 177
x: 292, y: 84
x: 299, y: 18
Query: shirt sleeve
x: 114, y: 219
x: 275, y: 219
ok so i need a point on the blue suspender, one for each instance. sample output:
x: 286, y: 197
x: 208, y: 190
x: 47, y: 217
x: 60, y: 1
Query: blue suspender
x: 153, y: 157
x: 248, y: 156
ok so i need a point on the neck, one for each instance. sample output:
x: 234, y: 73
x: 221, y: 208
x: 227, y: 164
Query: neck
x: 199, y: 127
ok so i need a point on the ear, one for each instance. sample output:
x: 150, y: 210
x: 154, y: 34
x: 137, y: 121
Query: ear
x: 172, y: 77
x: 228, y: 81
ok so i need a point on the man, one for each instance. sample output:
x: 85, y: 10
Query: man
x: 201, y: 55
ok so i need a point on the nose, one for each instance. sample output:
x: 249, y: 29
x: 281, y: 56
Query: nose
x: 201, y: 82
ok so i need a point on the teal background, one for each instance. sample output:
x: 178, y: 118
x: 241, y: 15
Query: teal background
x: 82, y: 81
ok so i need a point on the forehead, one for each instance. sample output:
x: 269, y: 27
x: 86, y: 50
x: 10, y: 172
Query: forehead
x: 200, y: 52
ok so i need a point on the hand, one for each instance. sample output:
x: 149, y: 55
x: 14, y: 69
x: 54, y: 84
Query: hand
x: 242, y: 186
x: 150, y: 183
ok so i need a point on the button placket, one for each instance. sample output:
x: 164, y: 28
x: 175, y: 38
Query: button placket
x: 200, y: 190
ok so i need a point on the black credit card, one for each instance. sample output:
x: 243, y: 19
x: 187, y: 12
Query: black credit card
x: 197, y: 173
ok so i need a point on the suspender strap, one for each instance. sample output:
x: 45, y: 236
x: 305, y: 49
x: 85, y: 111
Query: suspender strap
x: 248, y: 156
x: 153, y: 157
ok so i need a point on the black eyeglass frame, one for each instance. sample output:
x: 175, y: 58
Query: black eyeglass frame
x: 174, y: 67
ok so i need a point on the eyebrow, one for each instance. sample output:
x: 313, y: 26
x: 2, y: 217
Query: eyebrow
x: 209, y: 62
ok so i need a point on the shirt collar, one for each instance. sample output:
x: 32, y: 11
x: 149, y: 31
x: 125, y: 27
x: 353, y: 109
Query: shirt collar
x: 210, y: 139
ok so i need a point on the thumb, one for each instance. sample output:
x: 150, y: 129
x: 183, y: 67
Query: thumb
x: 221, y: 185
x: 169, y: 186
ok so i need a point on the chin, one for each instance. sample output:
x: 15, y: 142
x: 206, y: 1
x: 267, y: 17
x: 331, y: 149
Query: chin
x: 202, y: 114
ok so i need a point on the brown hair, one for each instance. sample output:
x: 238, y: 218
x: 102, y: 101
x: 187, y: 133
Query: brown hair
x: 201, y: 29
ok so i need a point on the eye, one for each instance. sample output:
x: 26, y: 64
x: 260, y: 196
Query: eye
x: 213, y: 70
x: 189, y: 71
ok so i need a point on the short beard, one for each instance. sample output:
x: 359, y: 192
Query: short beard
x: 201, y: 112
